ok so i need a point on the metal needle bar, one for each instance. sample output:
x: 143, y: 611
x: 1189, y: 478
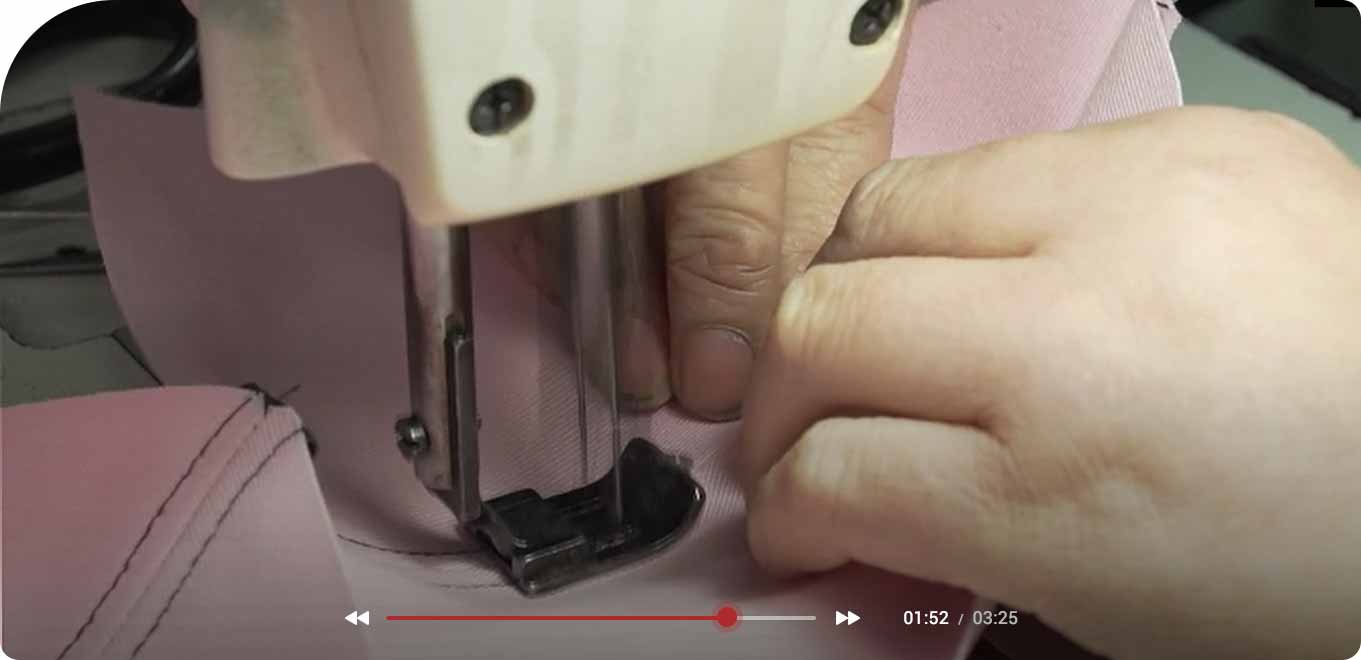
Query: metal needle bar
x: 440, y: 436
x: 592, y: 226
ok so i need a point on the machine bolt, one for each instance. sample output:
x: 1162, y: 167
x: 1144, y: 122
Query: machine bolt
x: 501, y: 107
x: 412, y: 439
x: 871, y: 22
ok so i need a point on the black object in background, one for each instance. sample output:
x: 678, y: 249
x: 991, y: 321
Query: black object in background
x: 39, y: 143
x: 1317, y: 43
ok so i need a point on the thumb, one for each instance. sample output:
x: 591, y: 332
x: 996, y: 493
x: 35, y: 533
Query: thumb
x: 723, y: 229
x: 916, y: 498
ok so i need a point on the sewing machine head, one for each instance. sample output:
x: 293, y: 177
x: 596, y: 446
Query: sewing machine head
x: 486, y: 109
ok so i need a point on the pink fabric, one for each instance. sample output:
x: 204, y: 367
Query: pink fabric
x: 297, y: 282
x: 982, y: 70
x: 132, y: 518
x: 400, y: 550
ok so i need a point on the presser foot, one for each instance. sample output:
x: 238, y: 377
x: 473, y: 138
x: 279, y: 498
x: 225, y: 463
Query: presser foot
x: 548, y: 543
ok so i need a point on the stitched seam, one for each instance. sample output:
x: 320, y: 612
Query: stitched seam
x: 267, y: 407
x: 146, y: 532
x: 419, y: 553
x: 471, y: 587
x: 231, y: 504
x: 411, y: 553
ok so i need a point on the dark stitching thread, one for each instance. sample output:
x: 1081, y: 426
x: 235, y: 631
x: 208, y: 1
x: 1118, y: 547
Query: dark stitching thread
x: 290, y: 392
x: 213, y: 534
x: 471, y: 587
x: 135, y: 358
x: 127, y: 563
x: 413, y: 553
x: 272, y: 402
x: 419, y: 553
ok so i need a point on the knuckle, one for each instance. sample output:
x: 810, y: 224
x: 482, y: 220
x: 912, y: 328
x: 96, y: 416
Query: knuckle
x: 723, y: 247
x: 864, y: 196
x: 872, y: 199
x: 867, y: 127
x: 1290, y: 141
x: 801, y: 325
x: 843, y: 138
x: 1256, y: 134
x: 1222, y: 152
x: 1280, y: 127
x: 788, y: 327
x: 1196, y: 119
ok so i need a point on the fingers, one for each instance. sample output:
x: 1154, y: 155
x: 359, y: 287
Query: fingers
x: 825, y: 164
x: 1001, y: 200
x: 917, y: 498
x: 934, y: 339
x: 737, y: 231
x: 723, y: 228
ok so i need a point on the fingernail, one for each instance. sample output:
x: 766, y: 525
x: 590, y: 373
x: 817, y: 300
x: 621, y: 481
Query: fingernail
x: 713, y: 372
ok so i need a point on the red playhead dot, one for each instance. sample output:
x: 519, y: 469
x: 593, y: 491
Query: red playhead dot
x: 727, y: 616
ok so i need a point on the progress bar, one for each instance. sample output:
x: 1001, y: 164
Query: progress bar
x: 497, y: 617
x: 481, y: 617
x: 726, y: 617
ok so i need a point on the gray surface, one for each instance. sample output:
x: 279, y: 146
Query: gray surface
x: 54, y: 311
x: 1212, y: 73
x: 1215, y: 73
x: 97, y: 365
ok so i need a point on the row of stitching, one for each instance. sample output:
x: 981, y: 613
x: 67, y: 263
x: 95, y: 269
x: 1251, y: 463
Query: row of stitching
x: 472, y: 565
x: 148, y: 586
x: 151, y: 523
x: 453, y: 552
x: 212, y: 534
x: 150, y: 593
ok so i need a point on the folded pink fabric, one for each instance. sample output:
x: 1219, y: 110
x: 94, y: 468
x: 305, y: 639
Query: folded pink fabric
x: 146, y: 524
x: 980, y: 70
x: 297, y: 283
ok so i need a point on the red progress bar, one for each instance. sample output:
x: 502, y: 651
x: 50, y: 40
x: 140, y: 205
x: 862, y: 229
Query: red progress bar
x: 725, y: 617
x: 713, y: 617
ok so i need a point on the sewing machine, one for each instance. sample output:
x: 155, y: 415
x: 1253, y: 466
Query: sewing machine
x: 482, y: 110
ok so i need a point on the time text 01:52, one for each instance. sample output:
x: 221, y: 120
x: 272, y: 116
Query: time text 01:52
x: 945, y: 618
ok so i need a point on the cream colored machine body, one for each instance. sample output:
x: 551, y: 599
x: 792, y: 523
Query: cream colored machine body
x: 482, y: 109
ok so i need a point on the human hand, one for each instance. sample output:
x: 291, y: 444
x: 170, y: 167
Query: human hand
x: 735, y: 233
x: 738, y: 231
x: 1112, y: 377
